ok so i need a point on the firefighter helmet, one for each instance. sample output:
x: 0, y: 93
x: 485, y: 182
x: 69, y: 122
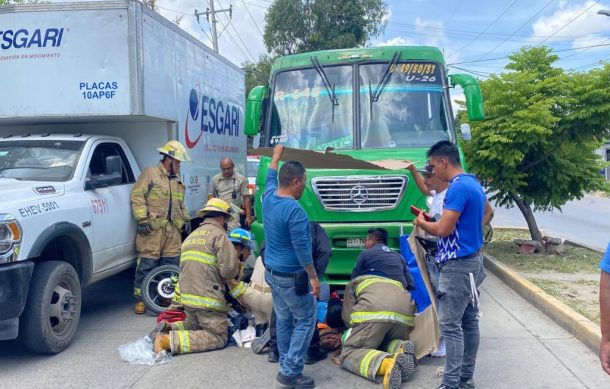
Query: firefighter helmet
x: 176, y: 150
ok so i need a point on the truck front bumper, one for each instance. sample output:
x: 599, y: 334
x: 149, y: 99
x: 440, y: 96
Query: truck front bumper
x: 14, y: 285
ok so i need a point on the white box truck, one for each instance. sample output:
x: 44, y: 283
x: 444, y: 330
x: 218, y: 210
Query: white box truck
x: 89, y: 91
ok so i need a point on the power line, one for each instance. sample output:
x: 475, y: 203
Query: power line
x: 488, y: 26
x: 457, y: 5
x: 252, y: 17
x: 249, y: 56
x: 568, y: 23
x: 517, y: 30
x: 552, y: 51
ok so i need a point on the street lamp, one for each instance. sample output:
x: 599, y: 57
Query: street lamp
x: 604, y: 12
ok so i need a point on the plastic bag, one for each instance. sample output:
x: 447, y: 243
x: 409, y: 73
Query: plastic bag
x: 141, y: 352
x: 244, y: 338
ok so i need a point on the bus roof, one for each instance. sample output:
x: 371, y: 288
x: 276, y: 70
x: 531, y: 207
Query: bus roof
x: 385, y: 53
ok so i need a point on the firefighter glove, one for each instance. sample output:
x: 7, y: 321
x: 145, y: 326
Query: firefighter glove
x: 187, y: 227
x: 144, y: 227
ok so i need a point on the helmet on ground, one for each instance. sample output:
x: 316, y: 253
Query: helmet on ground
x: 243, y: 237
x: 217, y: 206
x: 176, y: 150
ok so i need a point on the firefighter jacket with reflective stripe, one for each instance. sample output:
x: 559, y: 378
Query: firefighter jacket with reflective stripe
x: 207, y: 261
x: 372, y: 298
x: 158, y: 198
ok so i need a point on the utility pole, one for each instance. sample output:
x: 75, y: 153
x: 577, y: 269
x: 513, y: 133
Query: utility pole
x: 212, y: 12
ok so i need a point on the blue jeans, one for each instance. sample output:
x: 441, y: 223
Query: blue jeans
x: 458, y: 318
x: 295, y: 320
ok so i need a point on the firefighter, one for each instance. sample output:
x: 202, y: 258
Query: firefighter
x: 157, y: 202
x: 208, y: 260
x: 256, y: 295
x: 379, y: 314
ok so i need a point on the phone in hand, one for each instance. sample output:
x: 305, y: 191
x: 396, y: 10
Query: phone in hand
x: 416, y: 211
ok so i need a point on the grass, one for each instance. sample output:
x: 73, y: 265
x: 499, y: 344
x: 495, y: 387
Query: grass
x: 575, y: 259
x: 569, y: 277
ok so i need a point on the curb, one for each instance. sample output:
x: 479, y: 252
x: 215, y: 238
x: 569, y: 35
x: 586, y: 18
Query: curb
x: 576, y: 324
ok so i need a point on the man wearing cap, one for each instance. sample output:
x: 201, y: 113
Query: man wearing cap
x: 232, y: 187
x: 207, y: 262
x: 157, y: 202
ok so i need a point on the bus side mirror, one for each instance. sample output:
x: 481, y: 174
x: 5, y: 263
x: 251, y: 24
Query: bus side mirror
x: 254, y: 109
x: 472, y: 91
x: 465, y: 129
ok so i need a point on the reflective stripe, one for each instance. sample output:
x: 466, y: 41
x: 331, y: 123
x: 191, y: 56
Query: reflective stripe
x: 137, y: 292
x: 203, y: 302
x: 239, y: 290
x: 394, y: 346
x: 363, y: 316
x: 200, y: 257
x: 176, y: 298
x: 370, y: 280
x: 366, y: 362
x: 185, y: 342
x: 178, y: 326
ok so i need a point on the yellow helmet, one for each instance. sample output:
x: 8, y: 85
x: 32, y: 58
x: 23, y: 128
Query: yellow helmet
x: 216, y: 205
x: 174, y: 149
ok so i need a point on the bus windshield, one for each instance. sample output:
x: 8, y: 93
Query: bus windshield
x: 304, y: 115
x: 401, y: 104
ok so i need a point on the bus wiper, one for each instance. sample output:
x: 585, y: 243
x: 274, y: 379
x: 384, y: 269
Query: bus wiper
x: 374, y: 96
x: 329, y: 89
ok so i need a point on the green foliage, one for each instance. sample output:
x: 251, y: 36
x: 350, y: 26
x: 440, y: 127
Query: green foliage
x: 542, y: 129
x: 296, y: 26
x: 257, y: 73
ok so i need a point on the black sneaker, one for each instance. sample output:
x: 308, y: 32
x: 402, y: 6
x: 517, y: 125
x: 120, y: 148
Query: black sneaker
x: 299, y: 382
x: 466, y: 383
x: 318, y: 355
x: 274, y: 356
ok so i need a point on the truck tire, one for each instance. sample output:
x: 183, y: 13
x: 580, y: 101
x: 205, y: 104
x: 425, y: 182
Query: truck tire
x: 52, y: 310
x: 158, y: 287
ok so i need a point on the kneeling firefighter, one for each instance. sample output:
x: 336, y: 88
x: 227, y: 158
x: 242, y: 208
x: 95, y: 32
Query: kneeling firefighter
x: 379, y: 314
x: 256, y: 295
x: 208, y: 260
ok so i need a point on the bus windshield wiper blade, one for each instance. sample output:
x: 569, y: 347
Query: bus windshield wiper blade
x: 374, y: 96
x: 330, y: 89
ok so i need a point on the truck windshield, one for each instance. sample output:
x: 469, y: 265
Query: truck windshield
x: 409, y: 110
x: 39, y: 160
x: 305, y: 117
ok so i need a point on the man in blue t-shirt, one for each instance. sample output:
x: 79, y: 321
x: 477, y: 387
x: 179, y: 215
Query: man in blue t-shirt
x: 289, y: 267
x: 604, y: 308
x: 460, y: 232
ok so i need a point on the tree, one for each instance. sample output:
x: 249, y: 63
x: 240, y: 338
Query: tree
x: 296, y: 26
x: 536, y: 149
x: 257, y: 73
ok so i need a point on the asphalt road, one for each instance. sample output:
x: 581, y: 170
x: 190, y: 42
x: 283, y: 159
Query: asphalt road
x: 520, y: 348
x: 584, y: 221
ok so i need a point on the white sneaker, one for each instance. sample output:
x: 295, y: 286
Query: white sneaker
x: 440, y: 353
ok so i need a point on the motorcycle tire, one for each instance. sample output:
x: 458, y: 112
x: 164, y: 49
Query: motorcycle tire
x: 158, y: 287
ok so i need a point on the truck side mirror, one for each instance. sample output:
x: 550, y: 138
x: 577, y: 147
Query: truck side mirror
x: 113, y: 175
x: 254, y: 109
x: 465, y: 129
x: 472, y: 91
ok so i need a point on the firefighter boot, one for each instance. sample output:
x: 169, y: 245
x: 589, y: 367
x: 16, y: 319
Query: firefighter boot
x: 139, y: 307
x: 390, y: 369
x: 162, y: 343
x: 409, y: 363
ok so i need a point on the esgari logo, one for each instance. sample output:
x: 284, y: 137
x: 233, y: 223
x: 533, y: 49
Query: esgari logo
x: 25, y: 39
x: 211, y: 115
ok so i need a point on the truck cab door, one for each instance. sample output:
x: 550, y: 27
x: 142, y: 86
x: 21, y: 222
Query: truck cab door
x: 108, y: 196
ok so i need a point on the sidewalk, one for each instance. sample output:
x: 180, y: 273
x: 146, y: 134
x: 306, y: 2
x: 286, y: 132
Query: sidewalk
x: 520, y: 348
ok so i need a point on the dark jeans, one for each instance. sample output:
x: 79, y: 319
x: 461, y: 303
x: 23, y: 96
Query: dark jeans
x: 295, y: 319
x: 458, y: 317
x: 314, y: 345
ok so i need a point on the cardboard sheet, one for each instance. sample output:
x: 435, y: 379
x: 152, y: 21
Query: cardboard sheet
x: 318, y: 160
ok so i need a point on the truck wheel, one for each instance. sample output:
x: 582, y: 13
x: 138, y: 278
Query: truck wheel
x: 158, y: 287
x: 52, y: 311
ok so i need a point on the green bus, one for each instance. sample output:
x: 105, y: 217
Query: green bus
x: 378, y: 103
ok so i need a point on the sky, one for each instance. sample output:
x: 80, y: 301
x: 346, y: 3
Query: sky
x: 475, y: 35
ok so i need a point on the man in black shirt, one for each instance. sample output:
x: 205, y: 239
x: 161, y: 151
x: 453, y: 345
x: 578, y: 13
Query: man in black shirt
x: 378, y: 259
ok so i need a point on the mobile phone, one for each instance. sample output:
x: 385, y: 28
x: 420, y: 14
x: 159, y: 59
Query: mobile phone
x: 416, y: 211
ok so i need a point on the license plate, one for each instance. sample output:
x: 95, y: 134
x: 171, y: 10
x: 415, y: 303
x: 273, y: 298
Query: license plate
x: 355, y: 242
